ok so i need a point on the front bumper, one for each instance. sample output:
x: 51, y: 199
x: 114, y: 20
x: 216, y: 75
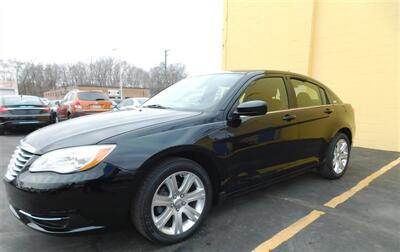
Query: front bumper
x: 68, y: 203
x: 52, y: 225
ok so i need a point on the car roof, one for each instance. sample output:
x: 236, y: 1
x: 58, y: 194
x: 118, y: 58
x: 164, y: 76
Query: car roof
x: 4, y: 96
x: 277, y: 72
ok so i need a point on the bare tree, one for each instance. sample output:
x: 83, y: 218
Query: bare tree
x: 161, y: 79
x: 35, y: 78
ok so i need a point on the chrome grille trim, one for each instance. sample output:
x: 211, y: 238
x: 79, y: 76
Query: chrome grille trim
x: 22, y: 159
x: 22, y: 154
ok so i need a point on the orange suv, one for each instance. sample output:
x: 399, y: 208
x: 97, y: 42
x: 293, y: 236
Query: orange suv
x: 78, y: 103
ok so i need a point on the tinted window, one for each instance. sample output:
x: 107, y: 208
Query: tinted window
x: 270, y: 90
x: 307, y: 94
x: 92, y: 96
x: 70, y: 96
x: 22, y: 100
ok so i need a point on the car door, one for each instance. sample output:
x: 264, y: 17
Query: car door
x: 261, y: 147
x: 314, y: 116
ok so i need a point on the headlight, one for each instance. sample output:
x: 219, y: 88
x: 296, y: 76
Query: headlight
x: 71, y: 159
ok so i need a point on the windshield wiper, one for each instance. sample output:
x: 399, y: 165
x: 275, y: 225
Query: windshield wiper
x: 154, y: 106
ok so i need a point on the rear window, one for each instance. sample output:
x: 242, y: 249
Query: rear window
x: 92, y: 96
x: 22, y: 100
x: 307, y: 94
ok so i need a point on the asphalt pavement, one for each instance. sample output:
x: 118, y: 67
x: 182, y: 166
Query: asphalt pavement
x: 368, y: 221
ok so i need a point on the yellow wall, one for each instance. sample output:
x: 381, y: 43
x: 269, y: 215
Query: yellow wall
x: 351, y: 46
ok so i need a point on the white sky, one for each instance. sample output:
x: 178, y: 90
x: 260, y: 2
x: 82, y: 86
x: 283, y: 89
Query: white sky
x: 66, y: 31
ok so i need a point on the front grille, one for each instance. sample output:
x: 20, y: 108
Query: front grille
x: 18, y: 161
x: 25, y: 111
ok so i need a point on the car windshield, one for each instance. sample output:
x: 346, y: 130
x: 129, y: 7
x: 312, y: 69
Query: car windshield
x: 142, y: 100
x: 195, y: 93
x: 22, y: 100
x: 92, y: 96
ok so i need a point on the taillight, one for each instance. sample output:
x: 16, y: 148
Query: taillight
x: 77, y: 105
x: 3, y: 109
x: 46, y: 109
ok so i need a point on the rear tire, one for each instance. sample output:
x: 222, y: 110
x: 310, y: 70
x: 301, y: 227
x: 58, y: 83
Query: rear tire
x: 166, y: 215
x: 336, y: 158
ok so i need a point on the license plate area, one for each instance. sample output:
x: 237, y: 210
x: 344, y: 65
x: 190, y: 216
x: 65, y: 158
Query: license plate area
x: 95, y: 106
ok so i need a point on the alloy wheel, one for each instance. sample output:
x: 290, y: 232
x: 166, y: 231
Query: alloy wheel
x: 340, y: 156
x: 178, y: 203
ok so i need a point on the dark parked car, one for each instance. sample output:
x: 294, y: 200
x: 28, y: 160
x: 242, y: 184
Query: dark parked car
x: 18, y: 111
x: 162, y: 166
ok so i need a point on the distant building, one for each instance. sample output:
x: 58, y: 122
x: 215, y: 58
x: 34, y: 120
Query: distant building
x: 8, y: 87
x: 112, y: 92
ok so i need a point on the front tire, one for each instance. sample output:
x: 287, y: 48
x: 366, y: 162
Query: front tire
x: 336, y: 158
x: 172, y: 201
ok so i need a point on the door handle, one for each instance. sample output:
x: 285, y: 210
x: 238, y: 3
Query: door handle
x: 288, y: 117
x: 328, y: 110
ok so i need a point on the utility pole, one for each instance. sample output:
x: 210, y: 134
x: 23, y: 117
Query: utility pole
x: 120, y: 80
x: 115, y: 50
x: 165, y: 67
x: 16, y: 78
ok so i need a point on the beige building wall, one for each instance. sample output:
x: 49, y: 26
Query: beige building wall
x: 351, y: 46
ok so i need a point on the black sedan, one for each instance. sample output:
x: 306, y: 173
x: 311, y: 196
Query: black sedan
x: 18, y: 111
x: 161, y: 167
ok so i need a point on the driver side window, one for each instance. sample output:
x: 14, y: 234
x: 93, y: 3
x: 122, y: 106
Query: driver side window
x: 271, y: 90
x: 66, y: 97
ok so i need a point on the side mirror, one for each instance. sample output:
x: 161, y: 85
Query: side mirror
x: 252, y: 108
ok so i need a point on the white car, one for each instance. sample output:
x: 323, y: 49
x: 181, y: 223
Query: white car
x: 131, y: 103
x: 45, y: 100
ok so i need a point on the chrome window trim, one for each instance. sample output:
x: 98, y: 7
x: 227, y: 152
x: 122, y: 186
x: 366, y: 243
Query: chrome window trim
x: 294, y: 109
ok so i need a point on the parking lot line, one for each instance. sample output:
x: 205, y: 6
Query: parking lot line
x: 300, y: 224
x: 289, y: 232
x: 361, y: 185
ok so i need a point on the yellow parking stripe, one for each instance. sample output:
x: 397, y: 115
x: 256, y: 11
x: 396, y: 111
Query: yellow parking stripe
x: 296, y: 227
x: 361, y: 185
x: 288, y: 232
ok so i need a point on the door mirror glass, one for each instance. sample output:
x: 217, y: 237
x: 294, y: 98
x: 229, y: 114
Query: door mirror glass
x: 251, y: 108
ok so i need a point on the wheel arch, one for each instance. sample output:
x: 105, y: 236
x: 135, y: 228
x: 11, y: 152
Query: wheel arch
x: 347, y: 132
x: 202, y: 156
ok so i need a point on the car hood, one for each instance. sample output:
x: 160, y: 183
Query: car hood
x: 95, y: 128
